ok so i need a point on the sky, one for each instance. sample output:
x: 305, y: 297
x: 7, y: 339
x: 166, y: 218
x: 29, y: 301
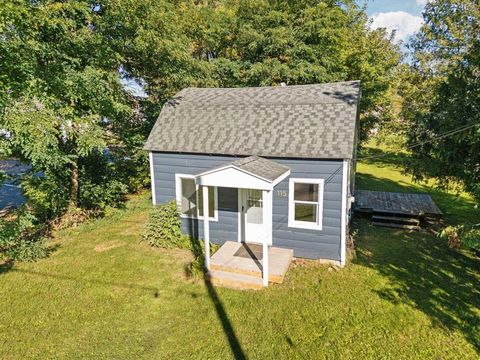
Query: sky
x: 404, y: 16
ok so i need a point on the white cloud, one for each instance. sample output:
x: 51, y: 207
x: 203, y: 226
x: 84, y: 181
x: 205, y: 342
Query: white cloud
x: 404, y: 23
x: 422, y: 2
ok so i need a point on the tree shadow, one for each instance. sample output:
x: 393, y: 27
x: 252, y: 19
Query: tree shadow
x: 153, y: 290
x: 6, y: 266
x: 228, y: 329
x: 424, y: 273
x: 382, y: 158
x: 422, y: 270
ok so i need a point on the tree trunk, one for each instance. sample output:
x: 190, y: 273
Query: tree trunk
x: 73, y: 203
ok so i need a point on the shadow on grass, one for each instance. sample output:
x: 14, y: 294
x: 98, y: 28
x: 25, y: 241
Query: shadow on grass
x: 154, y: 291
x: 228, y: 329
x: 424, y: 273
x: 382, y: 158
x: 6, y: 266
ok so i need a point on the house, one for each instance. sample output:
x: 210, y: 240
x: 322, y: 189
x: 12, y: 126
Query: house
x: 267, y: 165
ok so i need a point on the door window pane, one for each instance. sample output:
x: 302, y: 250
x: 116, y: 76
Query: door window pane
x: 254, y: 206
x: 306, y: 192
x: 211, y: 202
x: 306, y: 212
x: 189, y: 197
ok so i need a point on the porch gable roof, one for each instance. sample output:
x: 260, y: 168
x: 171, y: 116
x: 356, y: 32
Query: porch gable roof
x: 250, y: 172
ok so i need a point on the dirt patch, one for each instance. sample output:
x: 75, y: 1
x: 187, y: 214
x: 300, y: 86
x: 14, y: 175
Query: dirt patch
x: 107, y: 246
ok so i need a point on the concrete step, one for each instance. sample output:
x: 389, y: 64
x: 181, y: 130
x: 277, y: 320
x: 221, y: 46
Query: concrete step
x: 398, y: 226
x: 396, y: 219
x: 234, y: 280
x: 272, y: 277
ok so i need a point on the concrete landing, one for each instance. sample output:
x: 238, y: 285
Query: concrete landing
x: 228, y: 268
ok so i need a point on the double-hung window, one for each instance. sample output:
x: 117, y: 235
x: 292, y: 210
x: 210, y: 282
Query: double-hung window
x: 190, y: 198
x: 305, y: 205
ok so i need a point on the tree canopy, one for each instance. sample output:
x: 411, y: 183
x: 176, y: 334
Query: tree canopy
x: 442, y: 98
x: 62, y: 101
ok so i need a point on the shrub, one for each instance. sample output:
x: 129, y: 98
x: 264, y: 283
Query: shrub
x: 471, y: 238
x: 46, y: 195
x: 21, y: 238
x: 463, y: 235
x: 451, y: 233
x: 110, y: 192
x: 163, y: 228
x: 100, y: 184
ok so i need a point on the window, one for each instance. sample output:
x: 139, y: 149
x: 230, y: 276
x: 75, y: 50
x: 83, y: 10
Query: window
x: 305, y: 205
x: 211, y: 201
x: 190, y: 198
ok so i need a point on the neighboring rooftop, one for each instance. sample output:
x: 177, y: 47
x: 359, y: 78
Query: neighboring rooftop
x: 307, y: 121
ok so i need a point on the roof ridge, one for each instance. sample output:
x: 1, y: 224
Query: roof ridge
x: 191, y: 104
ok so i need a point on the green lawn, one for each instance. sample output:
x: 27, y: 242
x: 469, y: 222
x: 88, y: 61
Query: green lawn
x: 105, y: 294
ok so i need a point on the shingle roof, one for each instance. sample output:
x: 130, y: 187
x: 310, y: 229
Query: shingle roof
x: 309, y: 121
x: 264, y: 168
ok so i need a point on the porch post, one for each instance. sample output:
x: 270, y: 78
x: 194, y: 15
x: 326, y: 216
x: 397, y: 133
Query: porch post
x: 265, y: 263
x: 265, y: 252
x: 206, y: 227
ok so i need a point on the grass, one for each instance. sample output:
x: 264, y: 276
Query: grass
x: 105, y: 294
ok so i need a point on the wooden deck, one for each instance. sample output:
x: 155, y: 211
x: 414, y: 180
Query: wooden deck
x: 239, y: 265
x: 408, y: 204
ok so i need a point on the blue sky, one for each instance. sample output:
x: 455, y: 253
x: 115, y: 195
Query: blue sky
x: 413, y: 7
x: 403, y: 16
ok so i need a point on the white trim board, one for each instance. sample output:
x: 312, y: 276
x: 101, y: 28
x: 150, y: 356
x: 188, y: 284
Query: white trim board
x: 223, y: 168
x: 291, y: 204
x: 343, y: 224
x: 234, y: 177
x: 267, y: 198
x: 152, y: 177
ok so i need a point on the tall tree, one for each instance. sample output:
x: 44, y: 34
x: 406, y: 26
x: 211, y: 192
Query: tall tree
x: 61, y: 96
x: 442, y: 100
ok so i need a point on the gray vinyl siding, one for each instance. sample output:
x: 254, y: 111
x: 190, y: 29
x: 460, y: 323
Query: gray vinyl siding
x: 314, y: 244
x: 166, y: 165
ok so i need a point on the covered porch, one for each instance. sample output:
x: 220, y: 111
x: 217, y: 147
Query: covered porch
x: 248, y: 257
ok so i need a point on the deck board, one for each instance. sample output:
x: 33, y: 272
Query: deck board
x: 414, y: 204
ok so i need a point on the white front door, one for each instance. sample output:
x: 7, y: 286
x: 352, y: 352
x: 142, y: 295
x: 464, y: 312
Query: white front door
x: 253, y: 216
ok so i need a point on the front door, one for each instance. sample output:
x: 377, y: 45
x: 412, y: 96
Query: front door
x: 253, y: 215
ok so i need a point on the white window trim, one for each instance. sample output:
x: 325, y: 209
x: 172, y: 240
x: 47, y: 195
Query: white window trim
x: 152, y: 177
x: 178, y: 197
x: 291, y: 204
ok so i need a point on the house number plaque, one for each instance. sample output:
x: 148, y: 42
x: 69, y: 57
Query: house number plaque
x: 282, y: 193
